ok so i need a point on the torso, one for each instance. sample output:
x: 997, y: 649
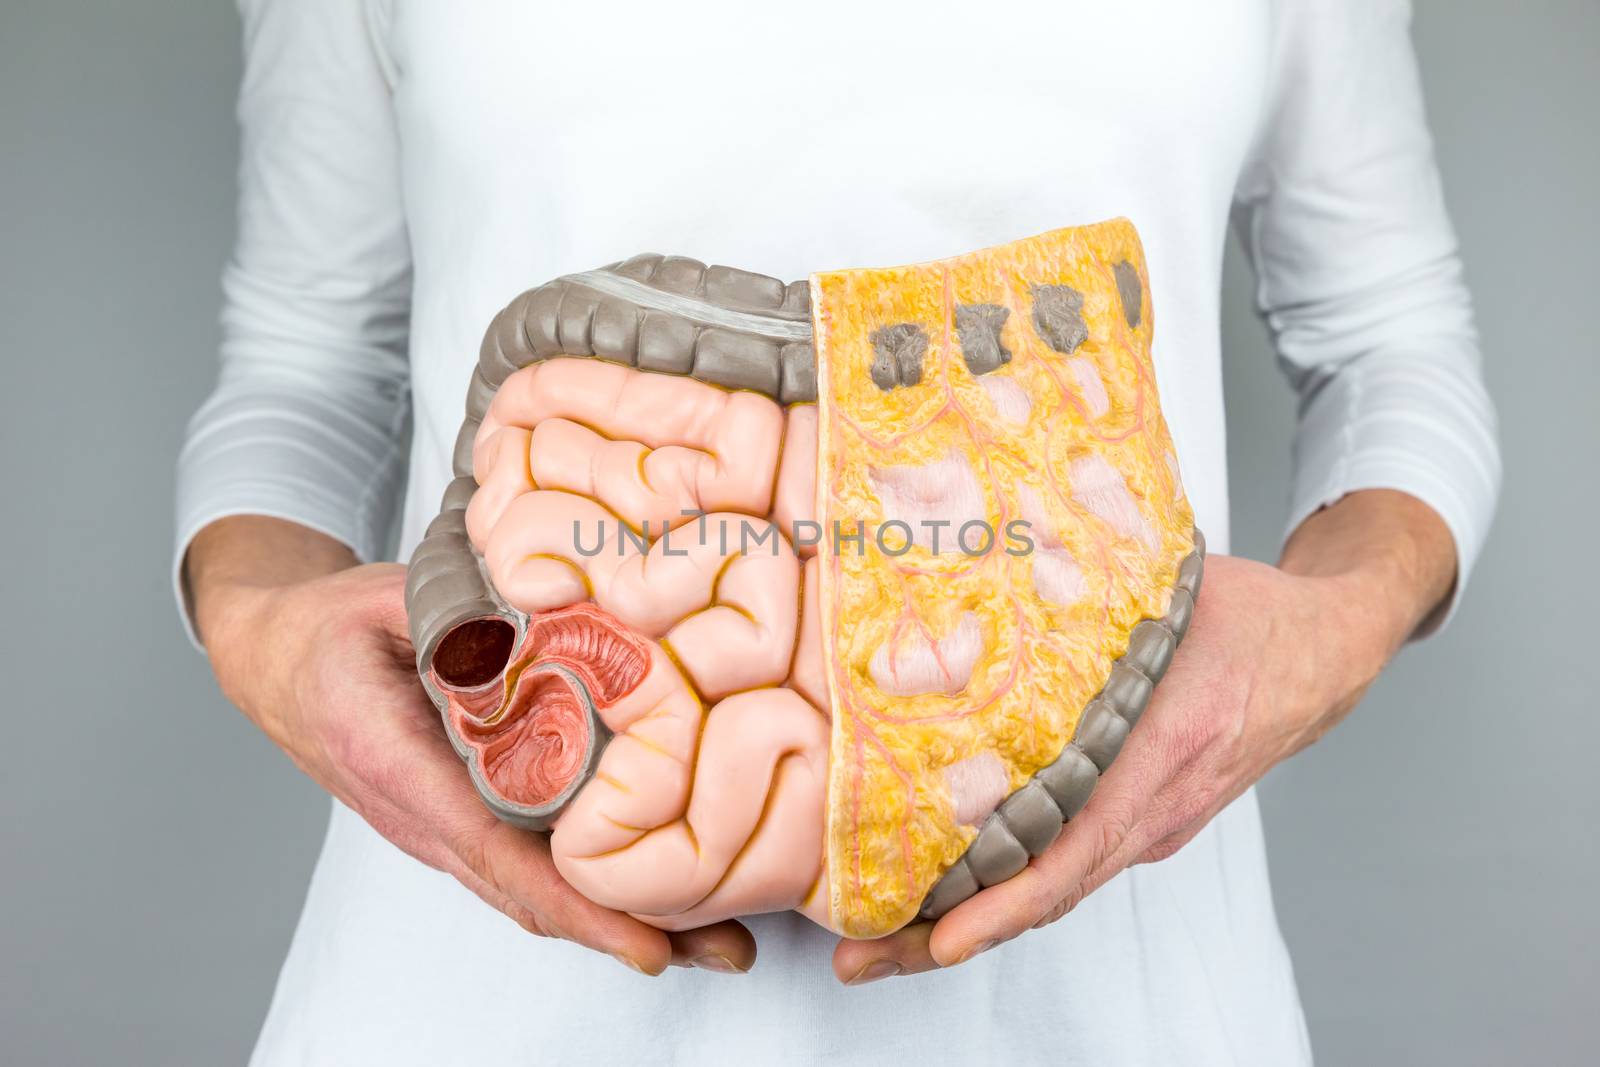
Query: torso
x: 542, y: 139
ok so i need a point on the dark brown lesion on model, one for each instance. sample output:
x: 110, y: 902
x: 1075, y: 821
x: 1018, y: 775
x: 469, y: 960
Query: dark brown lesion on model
x: 898, y: 352
x: 1131, y: 290
x: 1058, y: 317
x: 978, y: 328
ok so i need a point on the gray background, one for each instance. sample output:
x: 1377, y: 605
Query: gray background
x: 1434, y: 859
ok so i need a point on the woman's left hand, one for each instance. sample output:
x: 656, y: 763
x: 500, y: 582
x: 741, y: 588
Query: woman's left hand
x: 1271, y: 662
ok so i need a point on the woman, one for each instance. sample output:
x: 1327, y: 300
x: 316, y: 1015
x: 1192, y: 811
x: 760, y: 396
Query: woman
x: 410, y: 165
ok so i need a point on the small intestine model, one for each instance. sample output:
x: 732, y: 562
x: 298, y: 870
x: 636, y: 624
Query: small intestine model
x: 835, y: 596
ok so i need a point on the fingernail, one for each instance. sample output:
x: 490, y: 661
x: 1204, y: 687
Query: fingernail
x: 627, y: 962
x: 979, y: 949
x: 873, y: 971
x: 715, y: 961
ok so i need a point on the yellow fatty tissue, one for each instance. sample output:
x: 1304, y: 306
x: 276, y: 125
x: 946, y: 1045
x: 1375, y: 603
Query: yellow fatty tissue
x: 892, y: 823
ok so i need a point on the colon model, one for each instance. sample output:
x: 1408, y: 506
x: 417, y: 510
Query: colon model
x: 803, y: 726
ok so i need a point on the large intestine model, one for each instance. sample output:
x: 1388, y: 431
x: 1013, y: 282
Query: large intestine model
x: 835, y: 596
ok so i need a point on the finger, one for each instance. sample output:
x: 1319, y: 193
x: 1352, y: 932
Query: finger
x: 1180, y: 809
x: 725, y: 947
x: 402, y: 829
x: 1168, y: 846
x: 1050, y: 884
x: 1186, y: 829
x: 418, y: 774
x: 1001, y: 912
x: 903, y: 952
x: 518, y: 864
x: 1138, y: 839
x: 416, y: 770
x: 497, y: 900
x: 382, y: 589
x: 1160, y: 784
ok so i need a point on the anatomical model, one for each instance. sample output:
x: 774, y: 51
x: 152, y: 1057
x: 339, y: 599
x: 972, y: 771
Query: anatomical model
x: 835, y: 596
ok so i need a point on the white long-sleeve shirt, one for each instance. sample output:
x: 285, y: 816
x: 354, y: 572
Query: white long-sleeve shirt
x: 410, y: 165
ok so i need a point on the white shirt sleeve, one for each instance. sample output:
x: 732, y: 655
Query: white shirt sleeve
x: 307, y: 421
x: 1340, y: 212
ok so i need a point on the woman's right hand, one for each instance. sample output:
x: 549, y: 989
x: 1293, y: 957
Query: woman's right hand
x: 315, y: 651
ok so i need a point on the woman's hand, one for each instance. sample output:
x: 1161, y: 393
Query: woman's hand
x: 322, y: 662
x: 1274, y: 658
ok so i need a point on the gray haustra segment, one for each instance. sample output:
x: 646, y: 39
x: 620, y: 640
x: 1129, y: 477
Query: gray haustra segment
x: 737, y: 361
x: 461, y: 455
x: 797, y: 373
x: 1182, y: 610
x: 1033, y: 817
x: 1101, y: 732
x: 957, y: 884
x: 995, y: 854
x: 1069, y: 780
x: 1127, y: 690
x: 728, y: 327
x: 1150, y: 649
x: 666, y: 343
x: 1066, y: 784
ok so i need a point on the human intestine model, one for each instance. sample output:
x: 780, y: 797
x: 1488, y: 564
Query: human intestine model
x: 835, y: 596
